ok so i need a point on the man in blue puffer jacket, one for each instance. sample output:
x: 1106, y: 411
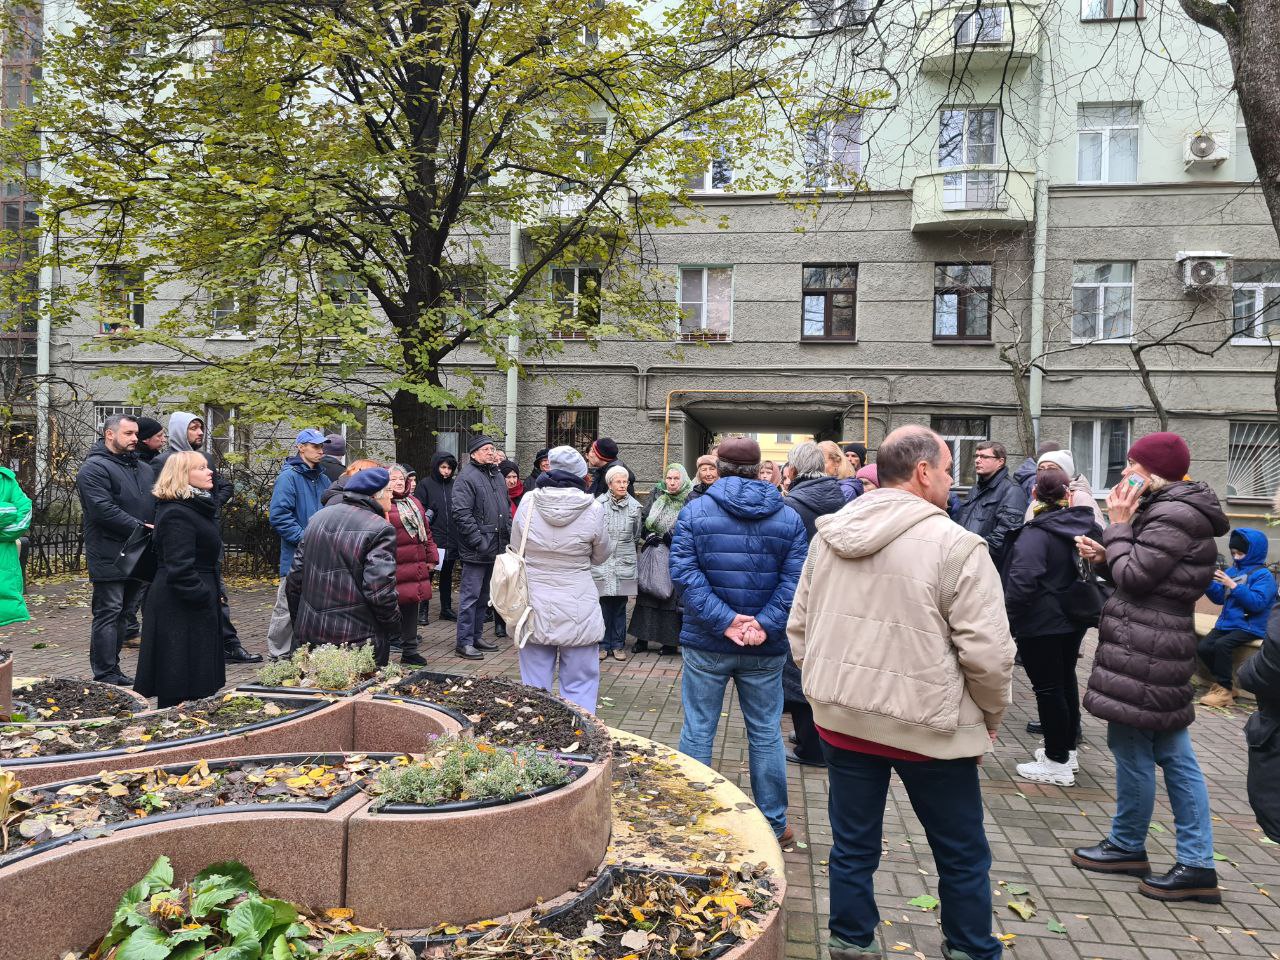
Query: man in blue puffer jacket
x: 737, y: 554
x: 1246, y: 591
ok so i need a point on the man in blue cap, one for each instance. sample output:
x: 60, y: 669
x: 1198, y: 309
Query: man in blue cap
x: 295, y: 498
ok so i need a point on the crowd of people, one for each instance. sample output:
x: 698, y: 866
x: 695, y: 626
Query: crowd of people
x: 878, y: 607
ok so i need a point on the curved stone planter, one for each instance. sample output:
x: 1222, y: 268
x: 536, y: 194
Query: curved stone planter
x: 400, y: 726
x: 140, y: 703
x: 258, y: 690
x: 456, y: 867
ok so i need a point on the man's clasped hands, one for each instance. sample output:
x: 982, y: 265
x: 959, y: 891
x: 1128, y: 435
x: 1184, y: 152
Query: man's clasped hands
x: 745, y: 631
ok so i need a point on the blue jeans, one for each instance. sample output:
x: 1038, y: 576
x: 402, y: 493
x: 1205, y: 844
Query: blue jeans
x: 758, y: 681
x: 614, y: 611
x: 946, y: 797
x: 1137, y: 753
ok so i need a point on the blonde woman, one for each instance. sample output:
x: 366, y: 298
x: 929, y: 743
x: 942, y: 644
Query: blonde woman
x: 181, y: 655
x: 838, y: 466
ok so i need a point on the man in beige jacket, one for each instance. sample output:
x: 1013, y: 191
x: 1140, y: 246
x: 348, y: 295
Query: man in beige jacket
x: 899, y: 627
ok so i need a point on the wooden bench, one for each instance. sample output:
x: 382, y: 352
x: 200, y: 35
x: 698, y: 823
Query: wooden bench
x: 1205, y: 623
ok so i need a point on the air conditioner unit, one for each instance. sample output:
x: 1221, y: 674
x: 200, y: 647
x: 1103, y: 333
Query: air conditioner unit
x: 1204, y: 270
x: 1206, y: 150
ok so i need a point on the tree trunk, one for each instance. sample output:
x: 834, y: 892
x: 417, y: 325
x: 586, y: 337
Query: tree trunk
x: 1149, y: 386
x: 415, y: 424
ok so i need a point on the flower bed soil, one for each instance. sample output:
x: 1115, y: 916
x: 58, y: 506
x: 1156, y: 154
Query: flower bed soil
x: 508, y: 714
x: 200, y: 718
x: 64, y: 699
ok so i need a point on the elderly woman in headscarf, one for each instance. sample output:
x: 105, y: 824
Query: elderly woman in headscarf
x: 657, y: 619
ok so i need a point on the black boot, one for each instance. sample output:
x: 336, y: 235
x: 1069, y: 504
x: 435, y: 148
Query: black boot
x: 468, y: 653
x: 500, y: 631
x: 1106, y: 857
x: 669, y: 650
x: 486, y: 646
x: 640, y: 646
x: 423, y: 617
x: 1183, y: 883
x: 1034, y: 727
x: 447, y: 613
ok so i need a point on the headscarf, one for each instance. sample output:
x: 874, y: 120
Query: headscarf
x: 412, y: 518
x: 666, y: 506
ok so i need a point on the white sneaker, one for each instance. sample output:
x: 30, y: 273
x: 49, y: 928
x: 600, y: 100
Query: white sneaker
x: 1073, y: 758
x: 1044, y: 770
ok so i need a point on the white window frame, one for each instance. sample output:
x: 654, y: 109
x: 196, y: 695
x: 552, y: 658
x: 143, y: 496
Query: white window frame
x: 1100, y: 289
x: 957, y: 187
x: 1097, y: 476
x: 837, y: 14
x: 701, y: 333
x: 960, y: 462
x: 973, y: 27
x: 236, y: 443
x: 1263, y: 440
x: 719, y: 166
x: 1086, y: 17
x: 1263, y: 294
x: 114, y: 281
x: 103, y: 410
x: 574, y: 295
x: 220, y: 318
x: 826, y: 168
x: 1106, y: 131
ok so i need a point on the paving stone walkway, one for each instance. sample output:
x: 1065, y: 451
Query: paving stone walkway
x: 1030, y: 826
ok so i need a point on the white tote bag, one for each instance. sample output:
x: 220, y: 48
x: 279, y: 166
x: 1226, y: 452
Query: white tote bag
x: 509, y: 585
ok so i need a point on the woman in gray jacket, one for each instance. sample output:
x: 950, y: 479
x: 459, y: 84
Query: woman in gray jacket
x: 567, y: 537
x: 616, y: 577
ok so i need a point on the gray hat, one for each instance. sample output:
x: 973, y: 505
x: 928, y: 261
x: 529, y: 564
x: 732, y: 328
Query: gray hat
x: 567, y: 459
x: 478, y: 442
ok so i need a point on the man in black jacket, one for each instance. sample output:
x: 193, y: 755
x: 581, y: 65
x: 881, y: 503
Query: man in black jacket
x: 115, y: 496
x: 1260, y: 675
x: 482, y: 522
x: 603, y: 457
x: 996, y: 505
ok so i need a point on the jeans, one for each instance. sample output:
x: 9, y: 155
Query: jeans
x: 280, y: 630
x: 1217, y: 649
x: 473, y: 597
x: 444, y: 586
x: 579, y: 671
x: 112, y: 600
x: 1137, y: 753
x: 1050, y: 663
x: 946, y: 797
x: 614, y: 611
x: 758, y: 681
x: 132, y: 619
x: 408, y: 629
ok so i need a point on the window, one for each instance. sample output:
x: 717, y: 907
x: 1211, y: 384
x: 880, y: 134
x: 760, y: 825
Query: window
x: 122, y: 303
x: 833, y: 155
x: 962, y: 301
x: 225, y: 436
x: 1253, y: 461
x: 577, y: 291
x: 343, y: 287
x: 1111, y: 10
x: 837, y: 14
x: 829, y: 297
x: 706, y: 297
x: 1255, y: 301
x: 467, y: 294
x: 783, y: 437
x: 20, y: 220
x: 967, y: 137
x: 718, y: 172
x: 231, y: 315
x: 354, y: 435
x: 1100, y: 449
x: 982, y: 25
x: 962, y: 435
x: 1107, y: 148
x: 576, y: 427
x: 589, y: 135
x: 1101, y: 302
x: 455, y: 429
x: 103, y: 410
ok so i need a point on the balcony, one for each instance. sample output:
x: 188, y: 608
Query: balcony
x: 965, y: 39
x: 973, y: 197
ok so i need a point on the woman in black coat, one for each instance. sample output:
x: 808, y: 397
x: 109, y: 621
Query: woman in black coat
x: 181, y: 656
x: 436, y: 492
x: 1260, y: 675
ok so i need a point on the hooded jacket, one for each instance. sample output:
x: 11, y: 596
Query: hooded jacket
x: 737, y: 550
x: 1260, y: 675
x: 624, y: 523
x: 882, y: 660
x: 439, y: 500
x: 567, y: 537
x: 1025, y: 476
x: 1161, y: 561
x: 115, y: 497
x: 814, y: 497
x: 179, y: 421
x: 295, y: 499
x: 1249, y: 604
x: 993, y: 510
x: 1039, y: 566
x: 481, y: 513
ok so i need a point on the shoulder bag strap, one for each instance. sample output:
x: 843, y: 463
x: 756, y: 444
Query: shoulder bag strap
x: 528, y: 522
x: 950, y: 578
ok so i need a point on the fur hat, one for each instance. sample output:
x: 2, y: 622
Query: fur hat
x: 740, y: 450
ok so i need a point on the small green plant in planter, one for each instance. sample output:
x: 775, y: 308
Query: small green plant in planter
x: 466, y: 769
x: 327, y: 667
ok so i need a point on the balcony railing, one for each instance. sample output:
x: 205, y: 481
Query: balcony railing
x: 990, y: 196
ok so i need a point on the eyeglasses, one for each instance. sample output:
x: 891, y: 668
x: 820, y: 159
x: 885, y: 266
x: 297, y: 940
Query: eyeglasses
x: 986, y: 456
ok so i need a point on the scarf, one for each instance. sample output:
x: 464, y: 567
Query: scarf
x: 666, y: 506
x: 415, y: 524
x: 197, y: 492
x: 514, y: 494
x: 559, y: 478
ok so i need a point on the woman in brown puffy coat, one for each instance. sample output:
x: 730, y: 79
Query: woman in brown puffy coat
x: 416, y: 557
x: 1159, y: 553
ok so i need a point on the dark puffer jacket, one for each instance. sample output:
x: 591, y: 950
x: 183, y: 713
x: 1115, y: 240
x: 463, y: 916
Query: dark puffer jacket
x: 438, y: 493
x: 1040, y: 565
x: 1260, y: 675
x: 1160, y: 562
x: 481, y: 513
x: 115, y: 496
x: 342, y: 588
x: 415, y: 559
x: 993, y: 510
x: 737, y: 550
x: 814, y: 497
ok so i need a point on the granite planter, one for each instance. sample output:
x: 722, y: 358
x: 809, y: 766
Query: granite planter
x: 140, y: 704
x: 392, y: 725
x: 456, y: 866
x: 258, y: 690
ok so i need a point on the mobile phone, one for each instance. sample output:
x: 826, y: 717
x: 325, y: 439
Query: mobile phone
x: 1136, y: 482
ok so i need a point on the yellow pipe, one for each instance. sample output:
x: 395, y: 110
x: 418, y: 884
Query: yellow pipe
x: 666, y: 423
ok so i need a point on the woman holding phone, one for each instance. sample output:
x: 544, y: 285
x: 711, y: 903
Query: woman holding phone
x: 1159, y: 552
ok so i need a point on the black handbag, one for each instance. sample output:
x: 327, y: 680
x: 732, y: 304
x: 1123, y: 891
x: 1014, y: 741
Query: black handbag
x: 135, y: 560
x: 1084, y: 598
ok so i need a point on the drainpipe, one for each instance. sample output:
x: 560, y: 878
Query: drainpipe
x: 44, y: 333
x: 1040, y: 249
x: 515, y: 259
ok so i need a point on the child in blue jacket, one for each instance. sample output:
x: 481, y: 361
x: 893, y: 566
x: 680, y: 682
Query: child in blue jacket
x: 1246, y: 591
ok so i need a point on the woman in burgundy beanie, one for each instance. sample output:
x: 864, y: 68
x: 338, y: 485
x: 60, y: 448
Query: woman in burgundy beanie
x: 1159, y: 552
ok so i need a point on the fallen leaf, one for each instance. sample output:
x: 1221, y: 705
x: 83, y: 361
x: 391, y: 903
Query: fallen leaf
x: 1026, y: 909
x: 635, y: 940
x: 1055, y: 927
x: 925, y: 902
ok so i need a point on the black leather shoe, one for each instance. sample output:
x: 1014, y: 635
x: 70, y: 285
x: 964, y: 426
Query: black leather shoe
x: 500, y: 632
x: 793, y: 757
x: 1034, y: 727
x: 669, y: 650
x: 118, y: 679
x: 1106, y: 857
x: 424, y: 618
x: 486, y: 646
x: 448, y: 614
x: 469, y: 653
x: 412, y: 660
x: 241, y: 655
x: 1183, y: 883
x: 640, y: 646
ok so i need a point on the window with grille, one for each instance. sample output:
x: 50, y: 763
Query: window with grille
x: 1107, y: 142
x: 962, y: 301
x: 1255, y: 301
x: 1101, y: 301
x: 577, y: 291
x: 969, y: 137
x: 101, y: 411
x: 962, y: 435
x: 828, y: 301
x: 576, y: 427
x: 1100, y: 449
x: 1253, y: 461
x: 706, y: 300
x: 455, y: 429
x: 123, y: 302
